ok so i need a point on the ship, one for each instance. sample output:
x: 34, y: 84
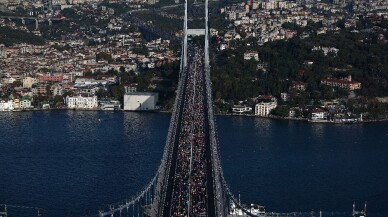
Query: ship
x: 253, y: 209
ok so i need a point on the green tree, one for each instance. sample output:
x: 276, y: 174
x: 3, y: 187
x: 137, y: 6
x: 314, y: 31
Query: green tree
x: 117, y: 92
x: 104, y: 56
x: 281, y: 111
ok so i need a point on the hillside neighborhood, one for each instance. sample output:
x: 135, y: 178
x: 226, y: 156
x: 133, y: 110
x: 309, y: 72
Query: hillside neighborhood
x: 103, y: 61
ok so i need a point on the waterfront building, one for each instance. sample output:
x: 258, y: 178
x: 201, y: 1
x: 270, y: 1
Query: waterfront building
x: 291, y: 113
x: 82, y: 102
x: 16, y: 104
x: 140, y: 101
x: 6, y: 105
x: 110, y: 105
x: 318, y: 114
x: 263, y: 109
x: 25, y: 102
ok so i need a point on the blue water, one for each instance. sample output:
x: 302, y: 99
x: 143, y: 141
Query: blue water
x: 73, y: 162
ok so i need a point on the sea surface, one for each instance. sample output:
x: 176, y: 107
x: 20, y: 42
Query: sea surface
x: 74, y: 162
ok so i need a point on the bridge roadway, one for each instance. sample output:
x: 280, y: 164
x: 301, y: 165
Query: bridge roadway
x: 190, y: 189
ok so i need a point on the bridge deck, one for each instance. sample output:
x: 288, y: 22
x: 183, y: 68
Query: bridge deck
x: 190, y: 182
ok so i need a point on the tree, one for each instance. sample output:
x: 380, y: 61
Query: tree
x: 281, y: 111
x: 104, y: 56
x: 117, y: 91
x: 9, y: 36
x: 57, y: 101
x: 290, y: 25
x: 69, y: 13
x: 102, y: 93
x: 141, y: 50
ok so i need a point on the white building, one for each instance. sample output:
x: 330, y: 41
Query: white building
x: 326, y: 50
x: 6, y: 105
x: 82, y: 102
x: 251, y: 55
x: 263, y: 109
x: 25, y: 103
x: 285, y: 97
x: 318, y: 114
x: 79, y: 82
x: 140, y: 101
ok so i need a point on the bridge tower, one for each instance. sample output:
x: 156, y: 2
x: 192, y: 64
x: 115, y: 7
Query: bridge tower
x: 165, y: 203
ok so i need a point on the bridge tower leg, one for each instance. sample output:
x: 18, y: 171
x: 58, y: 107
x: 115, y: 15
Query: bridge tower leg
x: 185, y: 38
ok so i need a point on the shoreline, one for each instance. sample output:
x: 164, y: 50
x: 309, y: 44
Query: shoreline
x: 217, y: 114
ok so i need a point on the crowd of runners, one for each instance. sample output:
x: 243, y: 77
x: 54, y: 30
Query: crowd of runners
x: 189, y: 194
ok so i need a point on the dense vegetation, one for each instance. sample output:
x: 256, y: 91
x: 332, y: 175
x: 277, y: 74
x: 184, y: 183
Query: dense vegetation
x: 361, y: 54
x: 9, y: 36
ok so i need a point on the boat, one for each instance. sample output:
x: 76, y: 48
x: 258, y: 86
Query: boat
x: 235, y: 211
x: 257, y: 210
x: 254, y: 209
x: 361, y: 213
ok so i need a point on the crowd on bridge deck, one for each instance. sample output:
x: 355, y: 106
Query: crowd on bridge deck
x: 189, y: 196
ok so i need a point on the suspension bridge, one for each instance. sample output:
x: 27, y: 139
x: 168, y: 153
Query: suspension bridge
x: 189, y: 180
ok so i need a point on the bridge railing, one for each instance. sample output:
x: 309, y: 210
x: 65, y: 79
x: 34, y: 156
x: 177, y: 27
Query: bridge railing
x: 220, y: 184
x: 137, y: 199
x: 217, y: 170
x: 155, y: 190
